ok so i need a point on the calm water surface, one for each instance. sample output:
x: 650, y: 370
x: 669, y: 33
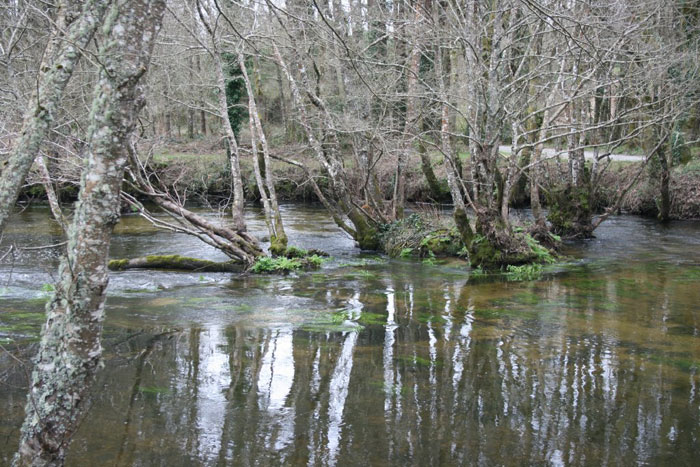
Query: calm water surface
x: 372, y: 361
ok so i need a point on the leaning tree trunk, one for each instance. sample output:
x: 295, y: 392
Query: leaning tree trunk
x: 51, y: 194
x: 70, y: 349
x: 363, y: 228
x: 54, y: 75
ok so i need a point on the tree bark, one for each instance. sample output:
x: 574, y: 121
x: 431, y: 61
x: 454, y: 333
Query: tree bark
x: 665, y: 184
x: 70, y: 349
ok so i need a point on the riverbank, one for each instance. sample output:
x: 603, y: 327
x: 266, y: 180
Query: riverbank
x: 201, y: 173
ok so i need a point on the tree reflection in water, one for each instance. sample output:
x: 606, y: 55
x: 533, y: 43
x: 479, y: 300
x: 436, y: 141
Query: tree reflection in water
x: 547, y: 372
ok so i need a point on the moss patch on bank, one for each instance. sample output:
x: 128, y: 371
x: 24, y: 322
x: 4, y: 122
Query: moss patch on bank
x: 423, y: 236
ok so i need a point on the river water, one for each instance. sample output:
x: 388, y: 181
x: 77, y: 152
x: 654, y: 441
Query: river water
x: 371, y: 361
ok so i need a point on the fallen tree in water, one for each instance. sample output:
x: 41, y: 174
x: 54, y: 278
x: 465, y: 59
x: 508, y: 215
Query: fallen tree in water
x: 175, y: 262
x: 241, y: 246
x: 263, y: 265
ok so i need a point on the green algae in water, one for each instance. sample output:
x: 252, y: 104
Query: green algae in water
x: 691, y: 274
x: 388, y: 388
x: 426, y: 318
x: 332, y: 322
x: 21, y: 325
x: 362, y: 274
x: 371, y: 319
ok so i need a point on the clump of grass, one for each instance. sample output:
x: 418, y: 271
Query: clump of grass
x: 295, y: 252
x: 526, y: 272
x: 283, y: 264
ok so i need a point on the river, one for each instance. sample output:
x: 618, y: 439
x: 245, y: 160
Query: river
x: 371, y: 361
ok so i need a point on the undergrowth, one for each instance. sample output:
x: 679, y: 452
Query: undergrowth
x: 283, y: 264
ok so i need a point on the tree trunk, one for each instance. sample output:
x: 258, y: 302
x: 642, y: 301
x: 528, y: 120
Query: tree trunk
x: 176, y: 262
x: 70, y: 349
x: 54, y: 75
x: 51, y: 194
x: 263, y: 169
x: 665, y: 184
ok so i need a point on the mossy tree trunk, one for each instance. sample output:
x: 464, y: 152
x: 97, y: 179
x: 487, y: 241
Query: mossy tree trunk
x: 176, y: 262
x: 571, y: 207
x: 63, y: 54
x: 70, y: 348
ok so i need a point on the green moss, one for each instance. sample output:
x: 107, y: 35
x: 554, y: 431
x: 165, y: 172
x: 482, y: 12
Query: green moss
x: 372, y: 319
x: 283, y: 264
x: 295, y: 252
x: 442, y: 242
x: 117, y: 264
x: 278, y: 247
x: 570, y: 211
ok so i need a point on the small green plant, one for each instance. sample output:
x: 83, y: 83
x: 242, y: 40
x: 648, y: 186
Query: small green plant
x: 543, y: 255
x: 406, y: 252
x: 526, y: 272
x: 315, y: 261
x: 477, y: 272
x: 430, y: 260
x: 295, y: 252
x: 48, y: 288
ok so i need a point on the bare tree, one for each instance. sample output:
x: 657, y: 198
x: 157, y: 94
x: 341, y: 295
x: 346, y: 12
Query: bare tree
x: 76, y: 28
x: 70, y: 348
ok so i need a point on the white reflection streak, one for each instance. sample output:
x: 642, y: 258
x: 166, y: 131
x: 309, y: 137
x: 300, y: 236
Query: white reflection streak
x: 214, y: 377
x: 338, y: 392
x: 275, y: 383
x: 388, y: 357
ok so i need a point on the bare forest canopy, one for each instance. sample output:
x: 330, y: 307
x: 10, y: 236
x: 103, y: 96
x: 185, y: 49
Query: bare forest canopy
x: 366, y: 93
x: 366, y: 98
